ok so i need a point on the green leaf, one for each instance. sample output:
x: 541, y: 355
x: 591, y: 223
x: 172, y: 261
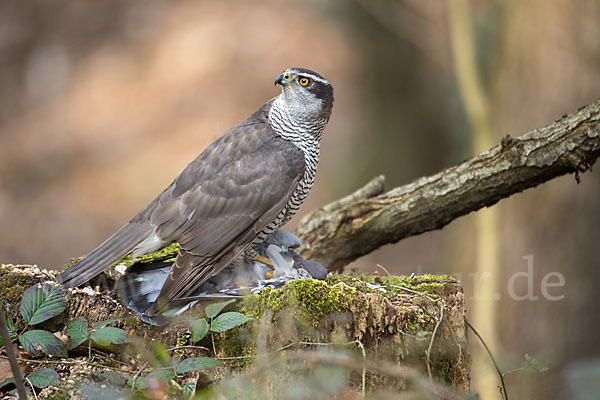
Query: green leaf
x: 188, y: 389
x: 10, y: 327
x: 113, y: 320
x: 77, y: 331
x: 227, y: 321
x: 212, y: 310
x: 42, y: 302
x: 109, y: 335
x: 164, y: 375
x: 14, y: 392
x: 111, y: 376
x: 199, y: 329
x: 6, y: 382
x: 532, y: 362
x: 43, y: 378
x: 37, y: 340
x: 160, y: 352
x: 140, y: 382
x: 196, y: 364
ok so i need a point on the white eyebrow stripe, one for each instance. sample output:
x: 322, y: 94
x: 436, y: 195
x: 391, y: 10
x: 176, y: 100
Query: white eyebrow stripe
x: 314, y: 78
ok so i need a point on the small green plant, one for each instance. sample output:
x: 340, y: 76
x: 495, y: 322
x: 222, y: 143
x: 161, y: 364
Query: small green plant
x: 40, y: 303
x: 218, y: 322
x: 39, y: 379
x: 170, y: 368
x: 531, y: 364
x: 45, y: 301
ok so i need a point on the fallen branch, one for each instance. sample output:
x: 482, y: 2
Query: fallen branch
x: 339, y: 233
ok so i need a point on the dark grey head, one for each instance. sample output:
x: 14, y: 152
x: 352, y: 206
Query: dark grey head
x: 283, y: 239
x: 306, y: 94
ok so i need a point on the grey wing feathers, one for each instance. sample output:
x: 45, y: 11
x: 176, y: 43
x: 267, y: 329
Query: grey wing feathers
x: 114, y: 248
x: 214, y: 209
x: 257, y: 177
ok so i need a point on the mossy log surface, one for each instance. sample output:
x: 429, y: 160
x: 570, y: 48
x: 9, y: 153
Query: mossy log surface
x: 393, y: 317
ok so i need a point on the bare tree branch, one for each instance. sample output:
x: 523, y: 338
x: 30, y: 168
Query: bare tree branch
x: 337, y: 235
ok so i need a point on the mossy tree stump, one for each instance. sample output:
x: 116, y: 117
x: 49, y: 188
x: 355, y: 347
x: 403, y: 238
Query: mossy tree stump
x: 415, y: 322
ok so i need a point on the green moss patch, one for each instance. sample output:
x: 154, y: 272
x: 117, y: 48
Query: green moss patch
x: 309, y: 299
x: 394, y: 286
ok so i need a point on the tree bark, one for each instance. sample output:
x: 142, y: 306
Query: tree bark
x: 349, y: 228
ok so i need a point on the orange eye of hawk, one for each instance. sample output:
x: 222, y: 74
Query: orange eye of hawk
x: 303, y: 81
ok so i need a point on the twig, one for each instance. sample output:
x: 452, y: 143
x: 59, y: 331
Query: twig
x: 240, y: 357
x: 27, y: 360
x: 504, y: 392
x: 188, y: 347
x: 137, y: 375
x: 384, y: 269
x: 415, y: 292
x: 32, y: 388
x: 510, y: 371
x: 428, y: 352
x: 364, y: 370
x: 89, y: 349
x: 10, y: 352
x: 212, y: 338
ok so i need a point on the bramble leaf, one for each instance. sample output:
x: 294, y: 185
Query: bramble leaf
x: 188, y: 389
x: 164, y: 375
x: 199, y: 329
x: 77, y: 331
x: 42, y: 302
x: 227, y: 321
x: 109, y: 335
x: 212, y: 310
x: 111, y: 376
x: 37, y: 340
x: 196, y: 364
x: 43, y: 378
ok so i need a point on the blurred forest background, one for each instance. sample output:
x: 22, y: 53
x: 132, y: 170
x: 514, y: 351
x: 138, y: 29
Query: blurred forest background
x: 103, y: 103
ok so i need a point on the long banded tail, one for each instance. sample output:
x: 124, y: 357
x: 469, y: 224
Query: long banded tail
x: 114, y: 248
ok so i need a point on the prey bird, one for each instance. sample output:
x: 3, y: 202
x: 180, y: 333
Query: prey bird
x: 277, y: 264
x: 241, y: 188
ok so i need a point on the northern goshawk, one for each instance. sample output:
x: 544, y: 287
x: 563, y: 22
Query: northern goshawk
x: 243, y: 187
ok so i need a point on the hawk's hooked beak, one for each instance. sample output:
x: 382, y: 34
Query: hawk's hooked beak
x: 283, y: 79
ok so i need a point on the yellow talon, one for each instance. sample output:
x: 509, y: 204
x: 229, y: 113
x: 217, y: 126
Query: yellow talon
x: 265, y: 261
x: 268, y: 263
